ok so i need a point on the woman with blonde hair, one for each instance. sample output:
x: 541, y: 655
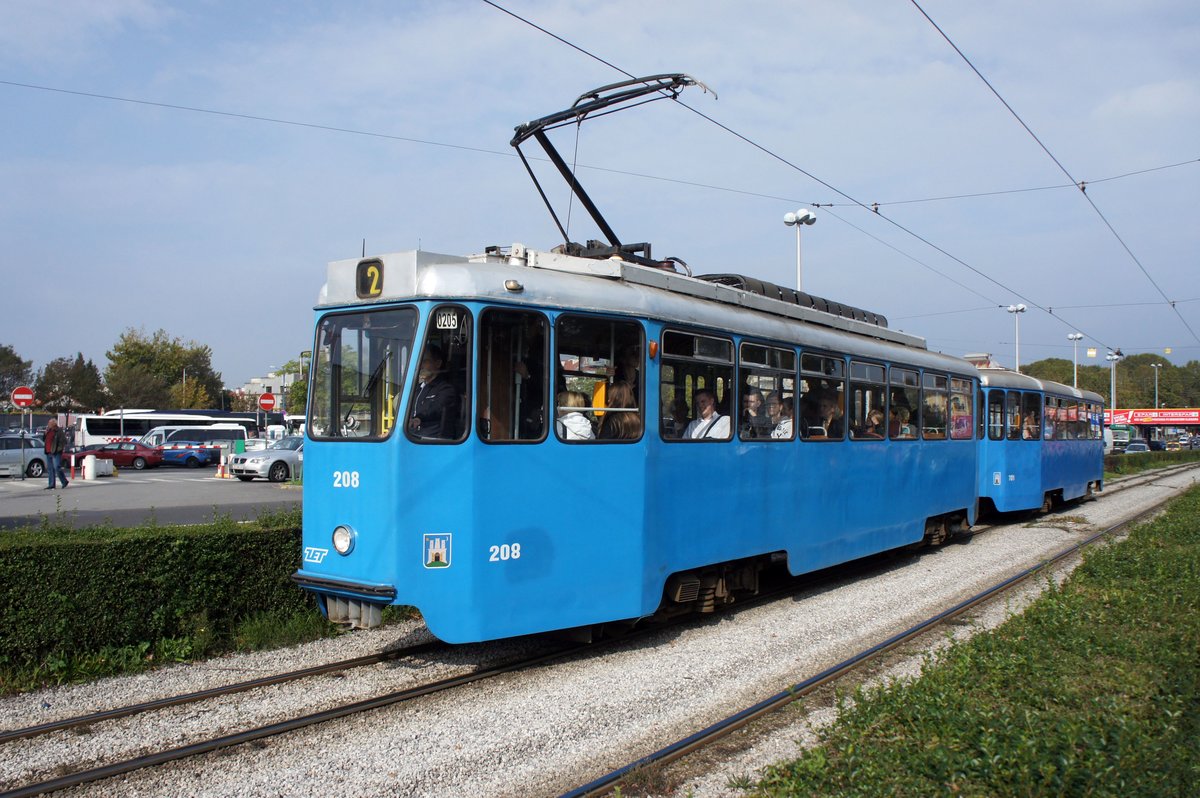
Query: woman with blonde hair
x: 572, y: 425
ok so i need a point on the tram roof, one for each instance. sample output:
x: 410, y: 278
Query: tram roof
x: 1003, y: 378
x: 549, y: 279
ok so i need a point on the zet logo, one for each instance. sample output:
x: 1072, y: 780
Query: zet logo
x: 315, y: 555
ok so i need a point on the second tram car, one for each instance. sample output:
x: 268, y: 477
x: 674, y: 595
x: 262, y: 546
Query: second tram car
x: 1042, y: 444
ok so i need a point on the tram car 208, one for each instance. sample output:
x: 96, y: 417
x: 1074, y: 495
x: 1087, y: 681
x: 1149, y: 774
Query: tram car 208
x: 523, y: 441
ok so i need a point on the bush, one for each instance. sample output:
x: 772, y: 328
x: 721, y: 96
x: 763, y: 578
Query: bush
x: 1119, y: 464
x: 105, y: 594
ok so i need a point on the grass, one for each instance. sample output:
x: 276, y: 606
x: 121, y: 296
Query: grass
x: 1093, y: 691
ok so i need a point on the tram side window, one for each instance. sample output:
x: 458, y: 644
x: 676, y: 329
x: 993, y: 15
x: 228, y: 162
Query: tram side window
x: 696, y: 387
x: 438, y: 407
x: 933, y: 406
x: 1079, y: 424
x: 1031, y: 419
x: 359, y: 364
x: 1050, y: 418
x: 768, y: 384
x: 1095, y: 415
x: 598, y: 380
x: 904, y: 401
x: 822, y: 397
x: 1064, y: 429
x: 512, y: 376
x: 995, y: 415
x: 962, y: 418
x: 867, y: 401
x: 1013, y: 415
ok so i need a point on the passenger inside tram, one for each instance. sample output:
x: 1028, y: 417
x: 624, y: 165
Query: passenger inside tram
x: 873, y: 428
x: 783, y: 428
x: 709, y: 424
x: 830, y: 411
x: 622, y: 421
x: 572, y: 424
x: 755, y: 421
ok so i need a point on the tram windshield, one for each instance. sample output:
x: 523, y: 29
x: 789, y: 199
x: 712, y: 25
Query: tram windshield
x: 359, y: 363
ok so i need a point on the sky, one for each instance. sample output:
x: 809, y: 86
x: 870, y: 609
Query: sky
x: 193, y: 166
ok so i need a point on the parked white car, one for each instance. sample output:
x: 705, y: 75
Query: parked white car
x: 278, y: 462
x: 10, y: 455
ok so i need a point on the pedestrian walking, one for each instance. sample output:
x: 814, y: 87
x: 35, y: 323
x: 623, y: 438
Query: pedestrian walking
x: 56, y: 442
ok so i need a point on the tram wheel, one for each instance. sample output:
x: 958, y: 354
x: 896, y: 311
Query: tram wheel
x: 935, y: 531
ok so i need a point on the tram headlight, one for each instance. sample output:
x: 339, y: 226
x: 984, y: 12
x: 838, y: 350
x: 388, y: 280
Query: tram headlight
x: 343, y: 539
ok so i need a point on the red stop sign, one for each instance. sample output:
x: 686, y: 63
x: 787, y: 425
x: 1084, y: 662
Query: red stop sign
x: 266, y: 401
x: 22, y: 396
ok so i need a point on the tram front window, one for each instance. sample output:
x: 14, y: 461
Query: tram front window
x: 359, y: 362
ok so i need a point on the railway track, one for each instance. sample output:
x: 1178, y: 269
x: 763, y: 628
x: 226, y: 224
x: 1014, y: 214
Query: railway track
x: 606, y: 784
x: 99, y: 773
x: 82, y: 721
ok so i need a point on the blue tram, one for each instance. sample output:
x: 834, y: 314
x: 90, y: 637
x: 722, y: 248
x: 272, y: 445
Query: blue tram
x: 1042, y: 444
x: 523, y: 441
x: 442, y: 470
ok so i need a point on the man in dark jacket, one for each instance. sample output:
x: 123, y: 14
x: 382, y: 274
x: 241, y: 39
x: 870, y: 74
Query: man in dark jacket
x: 434, y: 410
x: 56, y: 442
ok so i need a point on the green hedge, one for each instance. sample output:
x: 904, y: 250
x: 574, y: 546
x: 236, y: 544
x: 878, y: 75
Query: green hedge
x: 64, y: 593
x: 1144, y: 461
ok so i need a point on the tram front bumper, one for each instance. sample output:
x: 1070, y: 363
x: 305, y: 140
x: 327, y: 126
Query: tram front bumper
x: 348, y: 603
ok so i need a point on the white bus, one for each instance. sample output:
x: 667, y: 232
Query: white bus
x: 130, y: 425
x: 195, y: 433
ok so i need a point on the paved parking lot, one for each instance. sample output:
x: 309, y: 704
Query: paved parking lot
x: 168, y: 495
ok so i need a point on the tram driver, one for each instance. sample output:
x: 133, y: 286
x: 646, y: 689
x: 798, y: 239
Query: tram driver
x: 434, y: 408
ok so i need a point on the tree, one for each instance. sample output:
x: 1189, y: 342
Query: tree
x: 242, y: 402
x: 1056, y: 369
x: 190, y: 394
x: 164, y: 362
x: 132, y: 385
x: 1178, y: 386
x: 67, y: 384
x: 14, y: 372
x: 297, y: 391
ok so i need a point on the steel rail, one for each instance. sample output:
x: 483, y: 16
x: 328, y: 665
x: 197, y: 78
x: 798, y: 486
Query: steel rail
x: 214, y: 692
x: 604, y: 784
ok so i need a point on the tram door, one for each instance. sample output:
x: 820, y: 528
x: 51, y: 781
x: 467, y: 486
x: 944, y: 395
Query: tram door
x: 559, y: 424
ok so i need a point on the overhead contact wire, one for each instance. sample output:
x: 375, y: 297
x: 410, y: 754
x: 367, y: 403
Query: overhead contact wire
x: 1063, y: 169
x: 804, y: 172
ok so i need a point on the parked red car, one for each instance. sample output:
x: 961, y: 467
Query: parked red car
x: 127, y: 453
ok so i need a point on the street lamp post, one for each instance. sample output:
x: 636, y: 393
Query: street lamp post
x: 800, y: 217
x: 1075, y: 338
x: 1112, y: 358
x: 1156, y: 367
x: 1016, y: 310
